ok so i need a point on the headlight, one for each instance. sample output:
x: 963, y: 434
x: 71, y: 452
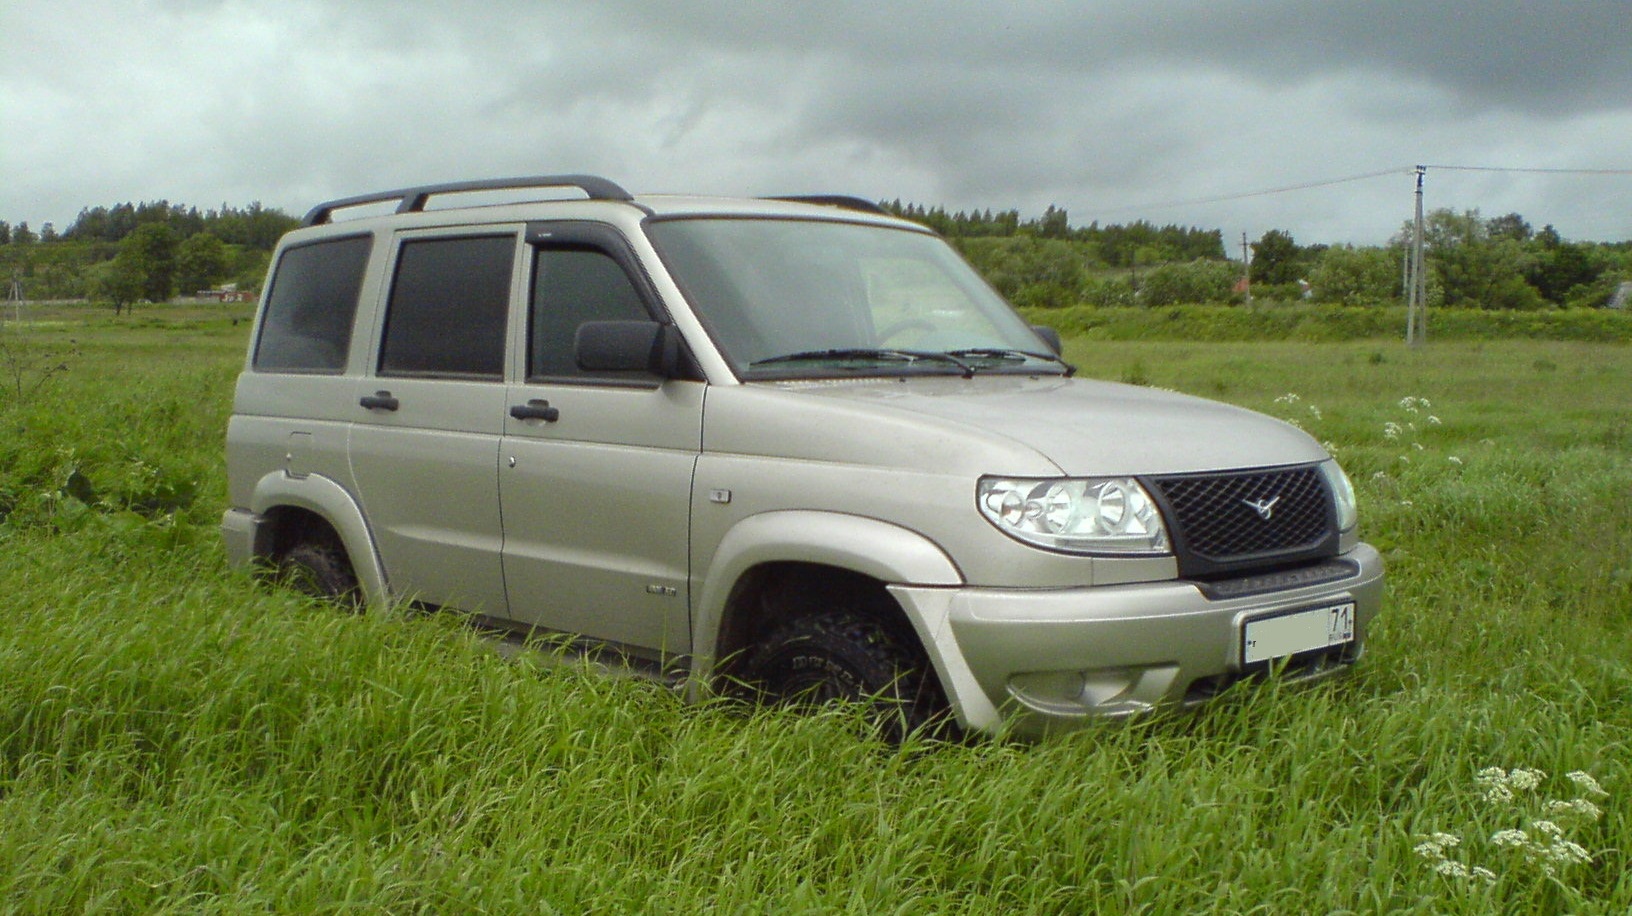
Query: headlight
x: 1074, y: 514
x: 1348, y: 514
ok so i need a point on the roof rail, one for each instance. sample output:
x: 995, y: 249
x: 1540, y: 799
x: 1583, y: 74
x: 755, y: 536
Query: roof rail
x: 412, y: 200
x: 835, y: 200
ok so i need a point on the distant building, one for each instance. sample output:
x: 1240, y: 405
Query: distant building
x: 1623, y: 295
x: 229, y: 292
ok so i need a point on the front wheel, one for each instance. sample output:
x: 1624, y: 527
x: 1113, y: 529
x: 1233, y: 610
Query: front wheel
x: 844, y: 656
x: 318, y: 567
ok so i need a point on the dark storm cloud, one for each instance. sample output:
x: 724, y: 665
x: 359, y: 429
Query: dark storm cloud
x: 1103, y: 107
x: 1536, y: 57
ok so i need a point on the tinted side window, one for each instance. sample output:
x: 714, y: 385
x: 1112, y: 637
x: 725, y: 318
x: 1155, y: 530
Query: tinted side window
x: 309, y: 309
x: 572, y: 286
x: 447, y: 310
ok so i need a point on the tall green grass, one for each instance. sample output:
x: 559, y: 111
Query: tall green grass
x: 176, y: 738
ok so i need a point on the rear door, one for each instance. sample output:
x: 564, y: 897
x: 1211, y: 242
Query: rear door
x: 595, y: 477
x: 425, y: 444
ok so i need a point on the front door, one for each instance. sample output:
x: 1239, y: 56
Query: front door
x: 596, y: 468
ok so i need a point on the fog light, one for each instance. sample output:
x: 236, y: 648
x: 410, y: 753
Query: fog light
x: 1099, y: 692
x: 1057, y: 692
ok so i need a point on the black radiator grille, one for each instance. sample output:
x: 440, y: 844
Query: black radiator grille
x: 1226, y: 520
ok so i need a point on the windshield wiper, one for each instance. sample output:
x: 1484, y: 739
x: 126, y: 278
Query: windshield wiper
x: 880, y: 354
x: 1007, y: 354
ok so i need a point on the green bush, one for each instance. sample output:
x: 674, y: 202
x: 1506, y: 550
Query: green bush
x: 1194, y: 281
x: 1312, y: 322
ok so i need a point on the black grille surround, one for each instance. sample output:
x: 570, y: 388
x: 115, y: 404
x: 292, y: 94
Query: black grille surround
x: 1239, y: 521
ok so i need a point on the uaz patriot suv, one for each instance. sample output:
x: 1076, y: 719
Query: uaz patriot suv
x: 795, y: 443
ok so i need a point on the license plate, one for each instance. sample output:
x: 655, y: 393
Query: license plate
x: 1266, y: 638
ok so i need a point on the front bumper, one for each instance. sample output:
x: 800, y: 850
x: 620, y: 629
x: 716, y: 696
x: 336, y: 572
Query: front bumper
x: 1040, y: 660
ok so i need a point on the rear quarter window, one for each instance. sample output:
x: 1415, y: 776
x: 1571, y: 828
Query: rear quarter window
x: 311, y: 305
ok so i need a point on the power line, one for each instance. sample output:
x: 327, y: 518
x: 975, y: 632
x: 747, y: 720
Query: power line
x: 1401, y: 170
x: 1308, y: 185
x: 1538, y: 171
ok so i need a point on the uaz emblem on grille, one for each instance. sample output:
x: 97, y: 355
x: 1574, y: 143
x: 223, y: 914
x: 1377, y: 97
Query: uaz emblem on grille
x: 1264, y: 507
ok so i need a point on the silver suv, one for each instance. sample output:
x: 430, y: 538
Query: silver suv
x: 791, y: 443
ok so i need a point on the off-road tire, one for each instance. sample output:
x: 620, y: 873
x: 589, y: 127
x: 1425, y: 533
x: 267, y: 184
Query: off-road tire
x: 850, y: 657
x: 318, y: 567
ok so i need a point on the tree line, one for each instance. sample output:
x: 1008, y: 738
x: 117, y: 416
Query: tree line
x: 1471, y: 262
x: 149, y: 251
x: 1118, y: 245
x: 127, y: 253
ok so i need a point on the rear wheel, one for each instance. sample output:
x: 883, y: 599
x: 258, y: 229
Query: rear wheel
x: 846, y: 656
x: 316, y: 565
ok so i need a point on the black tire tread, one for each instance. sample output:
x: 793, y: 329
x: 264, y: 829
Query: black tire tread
x: 851, y: 656
x: 317, y: 566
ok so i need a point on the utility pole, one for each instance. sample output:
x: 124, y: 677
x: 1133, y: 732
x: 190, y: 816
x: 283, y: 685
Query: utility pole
x: 1246, y: 267
x: 1416, y: 306
x: 1405, y: 270
x: 16, y: 297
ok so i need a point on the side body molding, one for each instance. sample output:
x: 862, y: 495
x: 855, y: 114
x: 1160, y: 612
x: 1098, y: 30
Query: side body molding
x: 335, y: 504
x: 889, y: 553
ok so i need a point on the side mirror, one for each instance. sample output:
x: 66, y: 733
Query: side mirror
x: 628, y: 346
x: 1050, y: 337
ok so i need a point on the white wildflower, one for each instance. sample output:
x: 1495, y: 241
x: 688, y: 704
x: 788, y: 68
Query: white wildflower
x: 1586, y: 783
x: 1433, y: 420
x: 1315, y: 411
x: 1521, y: 778
x: 1288, y: 398
x: 1436, y: 844
x: 1568, y: 853
x: 1542, y: 846
x: 1494, y: 782
x: 1575, y: 807
x: 1455, y: 460
x: 1391, y: 430
x: 1451, y: 869
x: 1417, y: 446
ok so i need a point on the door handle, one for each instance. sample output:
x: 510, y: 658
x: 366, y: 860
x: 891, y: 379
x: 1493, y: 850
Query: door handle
x: 535, y: 410
x: 379, y: 400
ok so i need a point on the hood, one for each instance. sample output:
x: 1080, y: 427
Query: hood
x: 1086, y: 427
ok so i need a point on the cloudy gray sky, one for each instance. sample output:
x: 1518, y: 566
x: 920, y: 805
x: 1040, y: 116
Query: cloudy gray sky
x: 1117, y: 111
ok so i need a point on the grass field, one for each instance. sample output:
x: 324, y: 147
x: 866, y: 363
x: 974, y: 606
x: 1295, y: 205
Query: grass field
x: 175, y: 738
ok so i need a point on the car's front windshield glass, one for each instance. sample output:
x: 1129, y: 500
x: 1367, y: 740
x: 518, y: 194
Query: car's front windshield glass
x: 798, y: 298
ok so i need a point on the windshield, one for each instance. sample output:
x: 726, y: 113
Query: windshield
x: 798, y: 298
